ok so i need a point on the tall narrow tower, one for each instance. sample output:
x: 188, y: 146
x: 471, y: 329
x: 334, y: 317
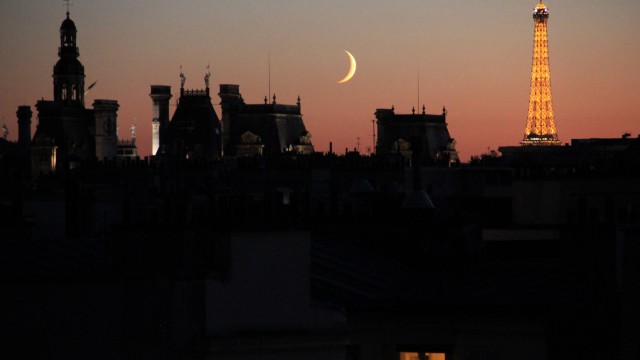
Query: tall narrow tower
x: 160, y: 94
x: 541, y: 127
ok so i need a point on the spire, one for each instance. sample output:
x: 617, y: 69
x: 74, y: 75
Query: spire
x: 68, y: 3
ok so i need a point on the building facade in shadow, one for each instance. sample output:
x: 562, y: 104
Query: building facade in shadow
x: 266, y: 129
x: 194, y: 131
x: 402, y: 134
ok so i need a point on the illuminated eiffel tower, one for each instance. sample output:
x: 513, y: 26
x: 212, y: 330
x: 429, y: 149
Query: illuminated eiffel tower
x: 541, y: 127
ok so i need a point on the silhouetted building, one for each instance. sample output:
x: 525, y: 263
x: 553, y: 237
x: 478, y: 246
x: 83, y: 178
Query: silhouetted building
x: 532, y: 255
x: 261, y: 129
x: 401, y: 134
x: 66, y: 135
x: 194, y: 131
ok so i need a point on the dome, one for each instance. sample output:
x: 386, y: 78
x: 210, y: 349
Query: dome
x: 68, y: 24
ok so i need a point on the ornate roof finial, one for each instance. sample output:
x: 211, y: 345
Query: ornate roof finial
x: 413, y: 110
x: 133, y: 130
x: 182, y: 78
x: 265, y: 100
x: 423, y: 109
x: 207, y: 76
x: 298, y: 100
x: 274, y: 98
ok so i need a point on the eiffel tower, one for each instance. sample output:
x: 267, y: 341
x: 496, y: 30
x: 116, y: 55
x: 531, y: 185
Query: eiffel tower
x: 541, y: 127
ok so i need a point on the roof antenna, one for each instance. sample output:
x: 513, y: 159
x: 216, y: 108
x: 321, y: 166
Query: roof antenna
x: 418, y: 86
x: 269, y: 61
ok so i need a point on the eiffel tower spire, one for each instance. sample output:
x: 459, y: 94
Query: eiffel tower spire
x: 541, y: 127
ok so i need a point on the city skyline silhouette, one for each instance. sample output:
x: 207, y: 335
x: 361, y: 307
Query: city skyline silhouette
x: 480, y: 76
x: 264, y: 228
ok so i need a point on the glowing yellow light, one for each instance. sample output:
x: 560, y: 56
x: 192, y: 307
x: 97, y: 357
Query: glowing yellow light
x: 53, y: 158
x: 420, y: 356
x: 541, y: 128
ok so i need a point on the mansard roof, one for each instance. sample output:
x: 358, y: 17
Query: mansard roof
x: 195, y: 126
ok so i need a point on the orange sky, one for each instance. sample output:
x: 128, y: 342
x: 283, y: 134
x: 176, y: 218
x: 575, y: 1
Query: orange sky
x: 474, y: 58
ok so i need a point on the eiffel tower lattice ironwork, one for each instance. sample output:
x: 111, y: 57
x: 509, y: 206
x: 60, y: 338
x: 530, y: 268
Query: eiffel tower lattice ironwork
x: 541, y: 127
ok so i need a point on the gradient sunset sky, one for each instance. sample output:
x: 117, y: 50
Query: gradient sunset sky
x: 472, y: 57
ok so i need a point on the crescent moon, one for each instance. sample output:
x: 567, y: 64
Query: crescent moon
x: 352, y: 70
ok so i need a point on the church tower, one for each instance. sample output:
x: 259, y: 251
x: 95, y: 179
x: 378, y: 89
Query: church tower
x: 65, y: 134
x: 68, y: 73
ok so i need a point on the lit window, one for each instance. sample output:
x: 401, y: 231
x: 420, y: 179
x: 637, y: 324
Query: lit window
x: 422, y: 356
